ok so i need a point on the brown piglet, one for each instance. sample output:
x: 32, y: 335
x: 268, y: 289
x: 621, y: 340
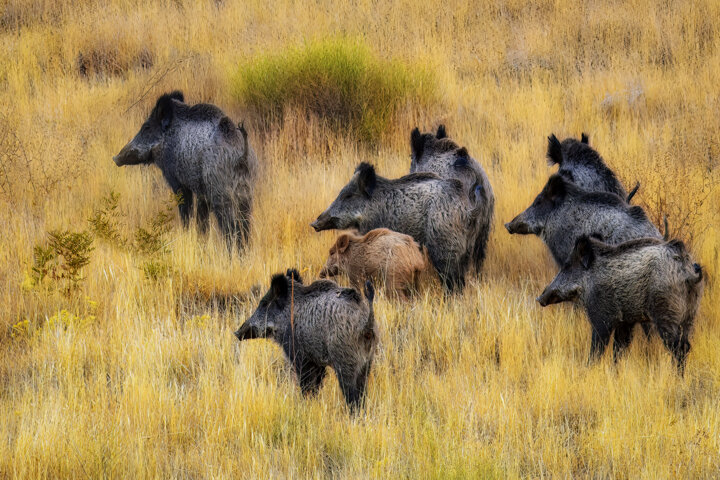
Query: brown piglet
x: 381, y: 255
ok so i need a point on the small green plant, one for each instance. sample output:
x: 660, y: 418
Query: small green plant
x: 340, y: 80
x: 104, y: 220
x: 62, y: 259
x: 43, y: 257
x: 151, y: 241
x: 155, y: 269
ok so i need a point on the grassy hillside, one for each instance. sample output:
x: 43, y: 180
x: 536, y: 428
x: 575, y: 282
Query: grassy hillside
x: 130, y: 369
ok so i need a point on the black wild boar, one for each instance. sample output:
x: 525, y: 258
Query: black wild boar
x: 201, y: 153
x: 437, y: 213
x: 317, y: 326
x: 440, y: 155
x: 563, y: 212
x: 581, y: 164
x: 643, y: 280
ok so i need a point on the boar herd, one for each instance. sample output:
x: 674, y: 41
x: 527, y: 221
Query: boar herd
x: 613, y: 260
x: 434, y: 222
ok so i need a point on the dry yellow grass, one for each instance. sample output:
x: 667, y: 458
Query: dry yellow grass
x: 132, y: 381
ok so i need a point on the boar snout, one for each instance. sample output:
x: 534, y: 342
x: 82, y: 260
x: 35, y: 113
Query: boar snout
x: 517, y: 226
x: 329, y: 271
x: 324, y: 222
x: 130, y: 155
x: 548, y: 297
x: 553, y: 295
x: 246, y: 332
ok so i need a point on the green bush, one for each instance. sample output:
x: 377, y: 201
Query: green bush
x: 340, y: 80
x: 63, y: 259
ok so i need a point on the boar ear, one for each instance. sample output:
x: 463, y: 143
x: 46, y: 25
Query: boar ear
x: 462, y: 158
x: 342, y: 243
x: 177, y: 95
x: 584, y: 138
x: 279, y: 287
x: 367, y: 180
x: 164, y: 110
x: 441, y: 133
x: 556, y: 187
x: 584, y: 252
x: 417, y: 143
x: 554, y: 152
x: 293, y: 274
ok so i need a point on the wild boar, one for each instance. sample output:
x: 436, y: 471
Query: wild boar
x: 382, y: 255
x: 563, y: 212
x: 317, y: 326
x: 440, y: 155
x: 643, y: 280
x: 581, y: 164
x: 435, y: 212
x: 202, y: 154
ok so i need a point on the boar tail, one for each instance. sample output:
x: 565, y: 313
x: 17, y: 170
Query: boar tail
x: 369, y: 292
x: 368, y: 331
x: 633, y: 192
x: 244, y: 133
x: 667, y: 230
x: 698, y: 272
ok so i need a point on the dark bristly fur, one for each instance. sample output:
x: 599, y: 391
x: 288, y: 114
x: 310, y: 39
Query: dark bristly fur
x: 317, y: 326
x: 201, y: 154
x: 563, y: 212
x: 441, y: 155
x: 581, y: 164
x: 437, y: 213
x: 640, y: 281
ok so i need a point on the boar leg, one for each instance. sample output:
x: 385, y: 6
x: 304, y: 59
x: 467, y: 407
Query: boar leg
x: 450, y: 274
x: 348, y: 380
x: 242, y: 227
x: 675, y: 340
x: 623, y: 337
x: 202, y: 213
x: 363, y: 377
x: 598, y: 342
x: 185, y: 206
x: 226, y: 223
x: 480, y: 247
x: 672, y: 330
x: 310, y: 376
x: 602, y: 320
x: 237, y: 223
x: 647, y: 329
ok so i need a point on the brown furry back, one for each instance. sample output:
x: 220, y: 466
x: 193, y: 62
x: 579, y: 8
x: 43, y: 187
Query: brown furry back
x: 392, y: 258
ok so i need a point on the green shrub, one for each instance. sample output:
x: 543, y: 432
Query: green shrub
x: 104, y: 220
x: 341, y: 81
x: 63, y: 259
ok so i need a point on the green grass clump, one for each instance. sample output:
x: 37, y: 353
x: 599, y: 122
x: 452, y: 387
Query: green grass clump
x: 341, y: 81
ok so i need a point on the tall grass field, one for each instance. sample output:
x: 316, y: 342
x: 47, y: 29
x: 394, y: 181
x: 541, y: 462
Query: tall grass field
x: 117, y: 358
